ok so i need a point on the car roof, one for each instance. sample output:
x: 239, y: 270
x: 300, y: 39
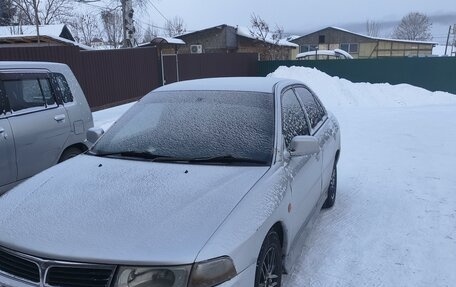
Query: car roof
x: 246, y: 84
x: 28, y: 65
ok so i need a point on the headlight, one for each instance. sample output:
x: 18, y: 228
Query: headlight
x: 203, y: 274
x: 212, y: 272
x: 152, y: 276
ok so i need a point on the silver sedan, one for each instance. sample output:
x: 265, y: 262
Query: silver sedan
x: 211, y: 182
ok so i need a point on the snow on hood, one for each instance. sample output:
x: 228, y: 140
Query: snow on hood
x: 101, y: 210
x: 335, y: 92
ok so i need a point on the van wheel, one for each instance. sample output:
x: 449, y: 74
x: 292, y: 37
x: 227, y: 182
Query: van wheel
x: 269, y: 263
x: 331, y: 199
x: 69, y: 153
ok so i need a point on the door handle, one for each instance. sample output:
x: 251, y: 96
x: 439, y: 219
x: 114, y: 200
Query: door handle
x: 59, y: 118
x: 2, y: 130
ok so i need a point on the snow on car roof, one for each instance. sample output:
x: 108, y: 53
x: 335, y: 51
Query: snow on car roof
x: 28, y: 65
x: 251, y: 84
x: 335, y: 53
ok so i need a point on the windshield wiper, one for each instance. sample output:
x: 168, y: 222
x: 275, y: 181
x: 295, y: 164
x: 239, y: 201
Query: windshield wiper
x: 133, y: 154
x: 164, y: 158
x: 227, y: 159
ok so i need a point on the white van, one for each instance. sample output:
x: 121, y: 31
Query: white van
x: 44, y: 117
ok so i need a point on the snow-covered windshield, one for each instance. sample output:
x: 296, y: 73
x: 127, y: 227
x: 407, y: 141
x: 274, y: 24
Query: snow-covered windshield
x: 195, y: 125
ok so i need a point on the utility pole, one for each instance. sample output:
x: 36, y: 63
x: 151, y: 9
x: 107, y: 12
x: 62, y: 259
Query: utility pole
x: 448, y: 39
x: 37, y: 21
x: 128, y: 23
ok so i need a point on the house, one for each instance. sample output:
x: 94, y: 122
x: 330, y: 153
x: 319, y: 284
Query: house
x: 26, y: 36
x: 230, y: 39
x: 362, y: 46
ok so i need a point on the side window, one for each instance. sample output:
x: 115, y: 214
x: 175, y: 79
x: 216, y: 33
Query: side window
x: 314, y: 109
x: 3, y: 104
x: 28, y: 93
x: 294, y: 121
x: 63, y: 88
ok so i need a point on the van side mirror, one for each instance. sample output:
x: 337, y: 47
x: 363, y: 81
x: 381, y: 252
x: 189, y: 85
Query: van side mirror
x: 93, y: 134
x: 304, y: 145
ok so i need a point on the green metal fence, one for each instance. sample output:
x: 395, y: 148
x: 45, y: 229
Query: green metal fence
x: 432, y: 73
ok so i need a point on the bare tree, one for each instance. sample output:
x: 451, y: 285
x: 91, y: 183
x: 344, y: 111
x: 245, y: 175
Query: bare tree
x: 414, y: 26
x: 150, y: 34
x: 85, y: 28
x: 7, y: 12
x: 175, y: 27
x: 373, y: 28
x: 42, y: 12
x: 268, y: 39
x: 112, y: 24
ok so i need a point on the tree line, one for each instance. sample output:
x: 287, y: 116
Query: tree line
x: 107, y: 23
x: 104, y: 23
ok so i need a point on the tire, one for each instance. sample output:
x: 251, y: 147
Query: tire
x: 69, y: 153
x: 331, y: 199
x: 269, y: 263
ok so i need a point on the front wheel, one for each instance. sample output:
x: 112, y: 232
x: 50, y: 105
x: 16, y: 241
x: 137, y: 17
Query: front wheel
x: 269, y: 263
x: 331, y: 199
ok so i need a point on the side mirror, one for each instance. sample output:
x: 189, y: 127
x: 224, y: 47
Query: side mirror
x: 304, y: 145
x: 93, y: 134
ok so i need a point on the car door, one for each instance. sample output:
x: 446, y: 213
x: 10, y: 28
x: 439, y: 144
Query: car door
x: 317, y: 117
x: 39, y: 123
x: 304, y: 171
x: 8, y: 170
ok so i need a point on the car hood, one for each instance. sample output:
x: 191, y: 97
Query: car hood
x: 114, y: 211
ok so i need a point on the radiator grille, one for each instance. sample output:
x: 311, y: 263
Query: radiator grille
x: 19, y: 267
x: 44, y: 272
x: 78, y: 277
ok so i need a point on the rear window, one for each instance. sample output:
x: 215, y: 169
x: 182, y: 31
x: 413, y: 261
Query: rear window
x: 63, y: 88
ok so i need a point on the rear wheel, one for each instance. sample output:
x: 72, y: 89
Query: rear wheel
x: 69, y: 153
x: 269, y: 262
x: 331, y: 199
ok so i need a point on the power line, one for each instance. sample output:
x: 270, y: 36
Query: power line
x: 158, y: 10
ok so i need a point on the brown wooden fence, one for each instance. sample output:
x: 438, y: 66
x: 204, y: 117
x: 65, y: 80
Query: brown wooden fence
x: 107, y: 77
x: 111, y: 77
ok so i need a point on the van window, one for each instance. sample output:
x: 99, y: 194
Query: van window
x: 29, y: 94
x: 63, y: 88
x: 3, y: 104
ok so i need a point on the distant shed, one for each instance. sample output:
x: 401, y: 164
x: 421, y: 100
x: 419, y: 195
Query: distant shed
x: 362, y: 46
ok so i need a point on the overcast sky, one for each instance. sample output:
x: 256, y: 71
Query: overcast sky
x: 293, y: 15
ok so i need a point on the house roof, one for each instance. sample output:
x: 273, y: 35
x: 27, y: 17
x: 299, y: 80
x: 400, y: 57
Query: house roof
x: 56, y: 30
x: 244, y: 32
x: 371, y: 38
x: 20, y: 39
x: 162, y: 41
x: 48, y: 33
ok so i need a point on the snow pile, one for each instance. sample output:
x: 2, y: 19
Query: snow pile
x: 335, y: 92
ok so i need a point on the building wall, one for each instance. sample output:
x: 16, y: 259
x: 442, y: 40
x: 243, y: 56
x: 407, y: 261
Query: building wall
x: 224, y: 39
x: 213, y: 41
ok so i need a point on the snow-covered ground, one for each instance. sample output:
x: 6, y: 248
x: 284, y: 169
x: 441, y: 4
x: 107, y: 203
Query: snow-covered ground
x: 394, y: 221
